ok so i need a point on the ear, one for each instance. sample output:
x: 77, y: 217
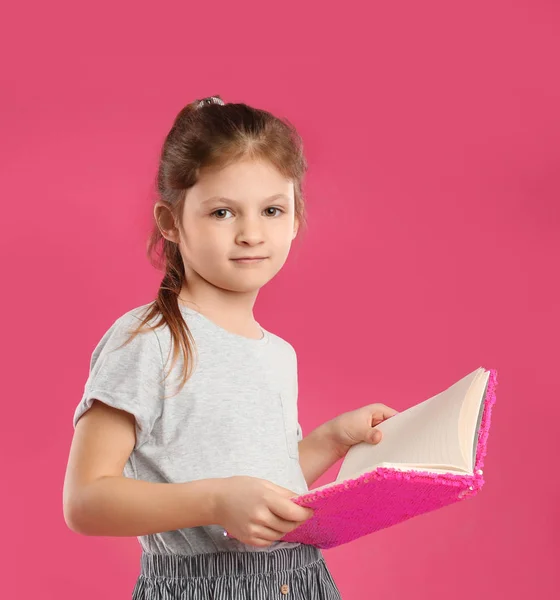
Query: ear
x: 165, y: 222
x: 296, y: 228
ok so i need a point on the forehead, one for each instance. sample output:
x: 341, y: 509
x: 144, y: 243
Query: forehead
x: 242, y: 181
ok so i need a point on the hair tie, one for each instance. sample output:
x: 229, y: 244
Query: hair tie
x: 209, y: 100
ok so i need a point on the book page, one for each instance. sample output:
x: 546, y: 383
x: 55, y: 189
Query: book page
x: 426, y: 434
x: 471, y: 418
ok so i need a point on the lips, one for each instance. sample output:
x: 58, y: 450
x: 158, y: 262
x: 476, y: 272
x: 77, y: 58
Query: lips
x: 249, y: 261
x: 250, y: 258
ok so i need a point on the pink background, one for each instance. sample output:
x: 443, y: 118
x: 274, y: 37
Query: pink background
x: 432, y: 131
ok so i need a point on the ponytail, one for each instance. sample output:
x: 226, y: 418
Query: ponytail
x: 166, y: 307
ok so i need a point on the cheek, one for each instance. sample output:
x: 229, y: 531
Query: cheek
x: 283, y: 239
x: 205, y: 246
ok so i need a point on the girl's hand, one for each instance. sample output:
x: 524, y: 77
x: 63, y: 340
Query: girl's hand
x: 256, y: 511
x: 358, y: 425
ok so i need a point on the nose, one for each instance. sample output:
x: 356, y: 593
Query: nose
x: 250, y: 232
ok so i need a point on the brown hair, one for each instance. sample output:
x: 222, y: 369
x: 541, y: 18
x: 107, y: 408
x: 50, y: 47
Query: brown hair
x: 210, y: 134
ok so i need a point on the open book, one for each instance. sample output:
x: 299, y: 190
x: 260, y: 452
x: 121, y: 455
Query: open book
x: 431, y: 455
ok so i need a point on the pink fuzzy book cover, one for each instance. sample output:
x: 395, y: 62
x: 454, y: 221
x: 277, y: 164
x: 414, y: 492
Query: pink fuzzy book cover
x: 384, y: 496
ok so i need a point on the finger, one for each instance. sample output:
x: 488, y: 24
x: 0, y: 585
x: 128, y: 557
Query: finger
x: 274, y: 532
x: 294, y: 525
x: 268, y: 534
x: 283, y: 525
x: 383, y: 412
x: 286, y: 514
x: 286, y: 509
x: 387, y: 411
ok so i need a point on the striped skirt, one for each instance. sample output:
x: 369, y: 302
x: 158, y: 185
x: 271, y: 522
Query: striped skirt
x: 294, y: 573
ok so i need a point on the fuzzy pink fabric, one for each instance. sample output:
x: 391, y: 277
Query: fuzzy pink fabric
x: 385, y: 496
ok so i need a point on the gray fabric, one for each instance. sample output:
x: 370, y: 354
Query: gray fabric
x: 298, y: 573
x: 237, y: 414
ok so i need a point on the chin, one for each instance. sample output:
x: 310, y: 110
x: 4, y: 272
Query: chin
x: 246, y: 281
x: 246, y: 286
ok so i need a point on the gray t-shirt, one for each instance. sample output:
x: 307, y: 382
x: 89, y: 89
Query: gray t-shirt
x: 236, y: 415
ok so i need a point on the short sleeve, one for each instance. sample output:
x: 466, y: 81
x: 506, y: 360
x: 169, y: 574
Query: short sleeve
x: 299, y: 433
x: 129, y: 378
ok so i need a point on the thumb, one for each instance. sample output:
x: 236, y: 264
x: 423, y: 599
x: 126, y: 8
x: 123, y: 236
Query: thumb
x: 375, y: 436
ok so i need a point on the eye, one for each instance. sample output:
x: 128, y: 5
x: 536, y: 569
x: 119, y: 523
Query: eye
x: 274, y: 208
x: 220, y: 210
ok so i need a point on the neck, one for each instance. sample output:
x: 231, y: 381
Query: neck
x: 224, y: 305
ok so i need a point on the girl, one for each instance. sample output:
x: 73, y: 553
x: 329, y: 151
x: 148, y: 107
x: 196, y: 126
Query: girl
x: 211, y: 449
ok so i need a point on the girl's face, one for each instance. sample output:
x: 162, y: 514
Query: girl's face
x: 243, y: 210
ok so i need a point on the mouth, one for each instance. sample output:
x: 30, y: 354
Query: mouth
x: 249, y: 259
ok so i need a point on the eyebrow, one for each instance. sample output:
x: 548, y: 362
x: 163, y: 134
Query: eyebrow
x: 222, y: 199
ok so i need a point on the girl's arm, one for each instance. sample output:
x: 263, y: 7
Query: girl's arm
x: 318, y: 451
x: 99, y: 500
